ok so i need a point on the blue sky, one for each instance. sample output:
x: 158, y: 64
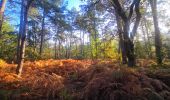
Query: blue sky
x: 14, y: 14
x: 73, y: 3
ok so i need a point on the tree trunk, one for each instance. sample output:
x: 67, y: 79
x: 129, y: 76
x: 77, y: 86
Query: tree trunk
x: 55, y: 49
x: 2, y: 9
x: 77, y: 51
x: 129, y: 46
x: 158, y: 42
x: 67, y: 48
x: 20, y: 32
x: 83, y: 46
x: 127, y: 35
x: 121, y: 44
x: 42, y: 34
x: 34, y: 38
x: 59, y: 49
x: 70, y: 48
x: 23, y: 38
x: 95, y: 39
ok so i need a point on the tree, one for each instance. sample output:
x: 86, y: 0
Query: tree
x: 2, y: 9
x: 23, y: 26
x: 45, y: 7
x: 158, y: 42
x: 121, y: 44
x: 42, y: 32
x: 8, y: 41
x: 128, y: 36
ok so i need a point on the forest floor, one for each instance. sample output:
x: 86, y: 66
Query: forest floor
x: 85, y: 80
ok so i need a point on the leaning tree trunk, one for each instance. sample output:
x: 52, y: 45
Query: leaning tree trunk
x: 2, y: 9
x: 23, y: 38
x: 158, y: 42
x: 25, y: 6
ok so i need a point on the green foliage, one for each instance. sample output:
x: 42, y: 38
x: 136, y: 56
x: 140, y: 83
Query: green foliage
x: 166, y: 47
x: 109, y: 49
x: 4, y: 94
x: 94, y: 41
x: 32, y: 54
x: 48, y: 53
x: 140, y: 50
x: 7, y: 42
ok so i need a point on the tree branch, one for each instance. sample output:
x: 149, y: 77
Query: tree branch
x: 119, y: 10
x: 138, y: 17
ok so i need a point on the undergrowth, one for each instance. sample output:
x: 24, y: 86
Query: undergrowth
x: 84, y: 80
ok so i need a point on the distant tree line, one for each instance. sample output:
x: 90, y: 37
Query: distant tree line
x: 101, y: 29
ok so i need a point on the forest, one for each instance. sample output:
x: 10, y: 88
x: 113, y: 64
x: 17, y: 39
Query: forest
x: 84, y: 50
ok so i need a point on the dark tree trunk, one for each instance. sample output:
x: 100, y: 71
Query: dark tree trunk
x: 59, y: 49
x: 70, y: 48
x: 158, y: 42
x: 55, y: 49
x: 127, y: 35
x: 121, y: 44
x: 95, y: 38
x: 42, y: 33
x: 20, y: 32
x: 83, y: 46
x: 129, y: 46
x: 34, y: 37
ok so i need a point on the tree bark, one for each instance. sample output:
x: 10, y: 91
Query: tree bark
x: 59, y: 49
x: 20, y: 31
x: 121, y: 44
x: 128, y: 36
x: 129, y: 46
x: 158, y: 42
x: 23, y: 38
x: 83, y: 46
x: 25, y: 6
x: 42, y: 33
x: 2, y: 9
x: 55, y: 49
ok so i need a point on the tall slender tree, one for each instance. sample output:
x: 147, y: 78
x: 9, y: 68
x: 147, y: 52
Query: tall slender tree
x: 42, y: 32
x: 24, y: 14
x: 158, y: 42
